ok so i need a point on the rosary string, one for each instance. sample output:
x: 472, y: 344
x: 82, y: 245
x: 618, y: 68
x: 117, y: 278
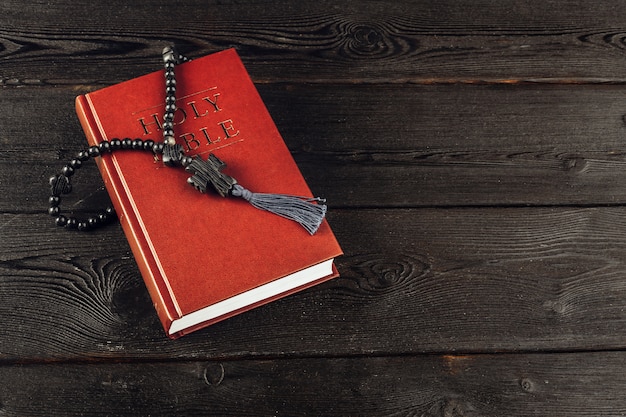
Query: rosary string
x: 307, y: 211
x: 61, y: 183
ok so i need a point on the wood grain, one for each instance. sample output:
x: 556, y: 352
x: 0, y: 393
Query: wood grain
x: 473, y: 156
x: 381, y: 145
x: 322, y: 41
x: 412, y: 281
x: 433, y: 386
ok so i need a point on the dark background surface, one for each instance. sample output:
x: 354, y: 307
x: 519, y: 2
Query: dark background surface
x: 473, y: 154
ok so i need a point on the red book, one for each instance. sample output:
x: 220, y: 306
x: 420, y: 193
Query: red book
x: 204, y: 257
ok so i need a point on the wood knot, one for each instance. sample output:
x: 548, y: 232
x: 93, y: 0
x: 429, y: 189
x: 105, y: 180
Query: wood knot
x: 555, y: 307
x: 365, y: 40
x: 574, y: 163
x: 527, y: 385
x: 376, y: 273
x: 214, y: 374
x: 126, y: 297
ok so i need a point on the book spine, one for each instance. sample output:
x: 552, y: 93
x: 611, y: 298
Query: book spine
x: 159, y: 293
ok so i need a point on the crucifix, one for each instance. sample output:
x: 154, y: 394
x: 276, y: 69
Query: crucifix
x: 209, y: 172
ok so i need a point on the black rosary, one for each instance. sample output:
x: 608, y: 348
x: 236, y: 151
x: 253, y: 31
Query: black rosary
x: 308, y: 211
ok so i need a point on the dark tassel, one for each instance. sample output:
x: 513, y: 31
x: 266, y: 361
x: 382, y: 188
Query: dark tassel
x: 304, y: 210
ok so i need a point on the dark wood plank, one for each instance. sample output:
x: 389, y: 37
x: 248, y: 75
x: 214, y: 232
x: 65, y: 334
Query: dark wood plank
x: 382, y: 146
x: 412, y: 281
x: 319, y: 41
x: 559, y: 385
x: 473, y: 155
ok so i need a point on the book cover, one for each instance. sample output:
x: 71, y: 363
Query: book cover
x: 204, y: 257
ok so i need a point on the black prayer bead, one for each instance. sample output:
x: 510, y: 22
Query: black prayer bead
x: 137, y: 144
x: 173, y: 154
x: 105, y: 146
x: 127, y: 143
x: 72, y: 223
x: 115, y: 144
x: 76, y: 163
x: 158, y: 147
x: 93, y: 151
x: 68, y: 171
x: 186, y: 160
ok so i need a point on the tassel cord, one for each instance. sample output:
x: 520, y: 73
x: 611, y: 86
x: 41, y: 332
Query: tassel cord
x: 305, y: 210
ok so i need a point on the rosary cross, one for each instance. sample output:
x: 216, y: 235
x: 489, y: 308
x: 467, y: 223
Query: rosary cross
x: 210, y: 172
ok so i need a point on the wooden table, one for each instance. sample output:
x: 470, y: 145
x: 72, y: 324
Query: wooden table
x: 474, y: 157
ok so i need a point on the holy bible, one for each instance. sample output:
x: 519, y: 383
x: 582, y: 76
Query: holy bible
x: 203, y: 257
